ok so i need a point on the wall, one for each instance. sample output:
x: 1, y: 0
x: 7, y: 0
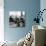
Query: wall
x: 43, y: 6
x: 1, y: 21
x: 30, y: 7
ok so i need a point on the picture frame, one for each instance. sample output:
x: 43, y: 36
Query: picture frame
x: 17, y: 18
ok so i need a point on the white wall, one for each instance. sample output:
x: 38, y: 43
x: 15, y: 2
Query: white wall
x: 1, y: 21
x: 43, y: 6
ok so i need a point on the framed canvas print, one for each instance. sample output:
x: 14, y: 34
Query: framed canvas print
x: 17, y: 18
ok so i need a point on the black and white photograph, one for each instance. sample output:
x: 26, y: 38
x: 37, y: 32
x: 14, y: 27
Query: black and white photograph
x: 17, y: 18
